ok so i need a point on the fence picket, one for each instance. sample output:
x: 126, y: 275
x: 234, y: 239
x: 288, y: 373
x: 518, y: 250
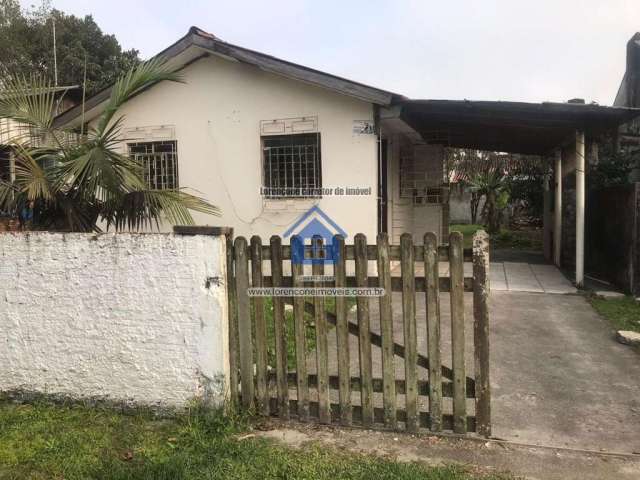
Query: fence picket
x: 432, y: 294
x: 279, y: 329
x: 342, y: 333
x: 253, y: 384
x: 410, y: 337
x: 481, y: 288
x: 322, y: 346
x: 386, y: 331
x: 233, y: 327
x: 366, y: 393
x: 260, y: 327
x: 244, y: 321
x: 456, y: 269
x: 300, y: 336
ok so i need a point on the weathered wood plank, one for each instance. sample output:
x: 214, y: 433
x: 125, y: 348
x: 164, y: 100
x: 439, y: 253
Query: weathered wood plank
x: 279, y: 330
x: 378, y: 416
x: 396, y: 283
x: 410, y: 337
x: 260, y: 328
x: 360, y: 243
x: 244, y: 321
x: 322, y: 345
x: 398, y: 350
x: 433, y: 330
x: 342, y: 333
x: 301, y: 338
x: 372, y: 253
x: 481, y: 332
x: 377, y: 384
x: 457, y: 331
x: 234, y: 364
x: 386, y: 330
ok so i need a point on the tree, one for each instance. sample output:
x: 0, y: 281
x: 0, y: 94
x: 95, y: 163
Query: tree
x: 494, y: 176
x: 26, y: 45
x: 72, y: 181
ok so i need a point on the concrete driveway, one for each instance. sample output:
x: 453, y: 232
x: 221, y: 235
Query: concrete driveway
x: 558, y: 376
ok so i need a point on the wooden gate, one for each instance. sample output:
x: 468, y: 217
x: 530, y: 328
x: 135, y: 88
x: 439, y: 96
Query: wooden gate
x: 320, y: 358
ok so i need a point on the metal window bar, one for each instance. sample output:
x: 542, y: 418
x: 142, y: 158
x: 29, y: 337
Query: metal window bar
x: 291, y: 165
x: 159, y: 161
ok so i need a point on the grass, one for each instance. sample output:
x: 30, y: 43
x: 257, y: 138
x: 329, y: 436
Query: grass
x: 506, y: 239
x: 45, y: 441
x: 623, y: 313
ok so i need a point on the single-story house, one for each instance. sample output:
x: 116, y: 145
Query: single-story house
x: 266, y: 140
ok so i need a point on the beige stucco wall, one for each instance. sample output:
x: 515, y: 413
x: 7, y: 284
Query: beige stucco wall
x: 216, y: 118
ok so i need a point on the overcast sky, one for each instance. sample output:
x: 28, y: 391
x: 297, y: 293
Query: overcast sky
x: 529, y: 50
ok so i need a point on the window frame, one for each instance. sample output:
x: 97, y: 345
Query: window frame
x: 269, y: 190
x: 173, y: 152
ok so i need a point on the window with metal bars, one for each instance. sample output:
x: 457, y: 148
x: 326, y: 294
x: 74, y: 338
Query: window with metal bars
x: 292, y: 166
x: 159, y: 162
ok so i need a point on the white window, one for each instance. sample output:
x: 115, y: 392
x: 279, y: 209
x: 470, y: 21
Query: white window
x: 291, y: 165
x: 159, y: 162
x: 415, y: 181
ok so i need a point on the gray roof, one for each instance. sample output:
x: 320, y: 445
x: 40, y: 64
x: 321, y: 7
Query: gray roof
x: 212, y: 44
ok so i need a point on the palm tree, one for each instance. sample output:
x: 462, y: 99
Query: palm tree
x: 76, y: 180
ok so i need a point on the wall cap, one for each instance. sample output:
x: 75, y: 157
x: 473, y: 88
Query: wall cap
x: 202, y: 230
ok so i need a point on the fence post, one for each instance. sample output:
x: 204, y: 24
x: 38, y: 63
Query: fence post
x: 279, y: 329
x: 322, y: 344
x: 342, y: 332
x: 297, y: 271
x: 244, y: 320
x: 366, y: 391
x: 233, y: 326
x: 386, y: 331
x: 432, y: 292
x: 407, y: 258
x: 260, y: 327
x: 456, y: 269
x: 481, y: 290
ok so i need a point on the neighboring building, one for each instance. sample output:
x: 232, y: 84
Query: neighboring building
x: 247, y: 129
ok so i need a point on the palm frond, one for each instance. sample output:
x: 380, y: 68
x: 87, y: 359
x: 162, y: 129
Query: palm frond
x: 28, y: 101
x: 31, y: 178
x: 147, y: 209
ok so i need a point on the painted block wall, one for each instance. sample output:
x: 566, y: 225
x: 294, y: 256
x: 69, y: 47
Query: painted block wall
x: 136, y: 318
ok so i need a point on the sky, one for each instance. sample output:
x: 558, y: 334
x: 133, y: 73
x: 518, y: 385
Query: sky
x: 519, y: 50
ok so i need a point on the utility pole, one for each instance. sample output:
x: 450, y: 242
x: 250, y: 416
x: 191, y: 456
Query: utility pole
x: 55, y: 55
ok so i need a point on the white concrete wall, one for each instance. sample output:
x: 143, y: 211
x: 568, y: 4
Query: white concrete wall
x: 216, y: 118
x: 121, y: 317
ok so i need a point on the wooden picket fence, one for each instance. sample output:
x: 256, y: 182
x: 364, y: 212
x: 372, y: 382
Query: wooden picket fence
x: 427, y: 395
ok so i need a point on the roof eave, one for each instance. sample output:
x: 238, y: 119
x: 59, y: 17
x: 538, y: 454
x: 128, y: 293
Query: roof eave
x: 210, y: 43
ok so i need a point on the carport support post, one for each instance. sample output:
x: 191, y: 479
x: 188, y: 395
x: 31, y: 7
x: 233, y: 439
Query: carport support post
x: 546, y: 218
x: 580, y: 194
x: 557, y: 210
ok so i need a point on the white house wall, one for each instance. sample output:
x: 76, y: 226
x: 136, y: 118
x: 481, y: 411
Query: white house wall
x: 215, y: 117
x: 404, y: 215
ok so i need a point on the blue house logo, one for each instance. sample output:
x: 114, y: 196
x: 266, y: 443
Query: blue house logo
x: 315, y: 231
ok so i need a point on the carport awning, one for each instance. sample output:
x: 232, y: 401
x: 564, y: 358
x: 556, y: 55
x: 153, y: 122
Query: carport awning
x: 517, y: 127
